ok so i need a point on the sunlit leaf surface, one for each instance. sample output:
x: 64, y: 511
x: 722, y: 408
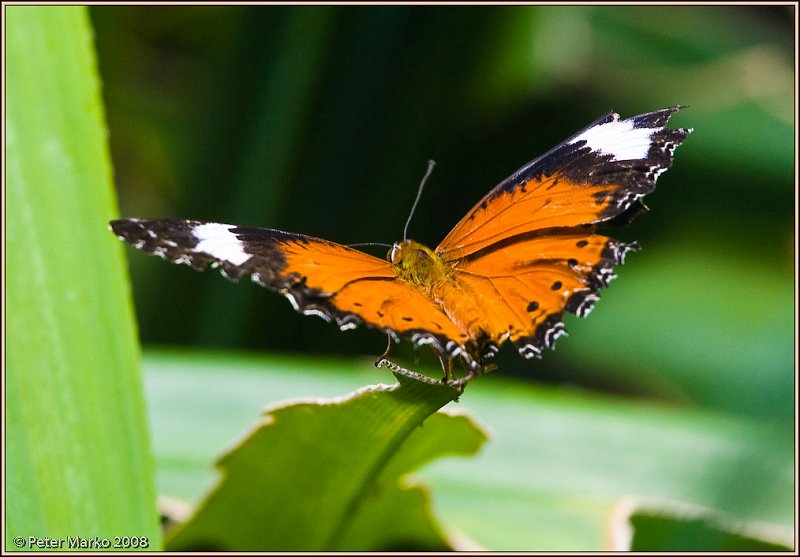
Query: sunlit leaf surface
x: 324, y: 474
x: 77, y: 458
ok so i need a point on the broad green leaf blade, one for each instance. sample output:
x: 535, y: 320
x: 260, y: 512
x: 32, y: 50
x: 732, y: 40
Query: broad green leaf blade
x: 78, y: 453
x: 557, y: 463
x: 653, y: 526
x: 397, y: 516
x: 303, y: 478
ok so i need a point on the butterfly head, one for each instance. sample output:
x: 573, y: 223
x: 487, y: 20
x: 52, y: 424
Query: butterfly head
x: 417, y: 263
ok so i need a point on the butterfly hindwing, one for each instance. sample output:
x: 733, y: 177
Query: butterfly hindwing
x: 522, y: 289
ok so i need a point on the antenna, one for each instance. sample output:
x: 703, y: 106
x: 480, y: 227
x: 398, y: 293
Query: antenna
x: 359, y: 244
x: 431, y: 164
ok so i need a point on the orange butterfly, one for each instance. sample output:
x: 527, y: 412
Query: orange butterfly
x: 525, y: 254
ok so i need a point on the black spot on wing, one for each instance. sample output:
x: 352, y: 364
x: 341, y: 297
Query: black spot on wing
x: 579, y: 303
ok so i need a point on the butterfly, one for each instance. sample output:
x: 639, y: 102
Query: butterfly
x: 508, y: 271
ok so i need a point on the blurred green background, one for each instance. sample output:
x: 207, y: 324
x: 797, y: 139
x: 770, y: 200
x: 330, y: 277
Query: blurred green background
x: 320, y: 120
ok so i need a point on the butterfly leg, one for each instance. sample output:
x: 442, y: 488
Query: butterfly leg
x: 385, y: 352
x: 447, y: 368
x: 461, y: 381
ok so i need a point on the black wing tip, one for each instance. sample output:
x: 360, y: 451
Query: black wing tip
x: 129, y: 230
x: 177, y: 241
x: 641, y: 175
x: 657, y: 118
x: 653, y: 119
x: 137, y: 225
x: 666, y: 140
x: 120, y: 226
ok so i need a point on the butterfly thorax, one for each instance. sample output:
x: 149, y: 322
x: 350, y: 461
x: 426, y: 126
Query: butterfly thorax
x: 417, y: 264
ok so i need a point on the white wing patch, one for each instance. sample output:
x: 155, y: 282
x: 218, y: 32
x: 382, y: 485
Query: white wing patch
x: 620, y: 139
x: 217, y: 241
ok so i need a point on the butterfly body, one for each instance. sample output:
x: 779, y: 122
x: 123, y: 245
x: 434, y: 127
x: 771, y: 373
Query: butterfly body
x: 523, y: 256
x: 418, y: 264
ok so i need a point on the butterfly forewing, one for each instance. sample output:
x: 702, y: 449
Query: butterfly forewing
x: 524, y: 287
x: 594, y: 176
x: 526, y: 253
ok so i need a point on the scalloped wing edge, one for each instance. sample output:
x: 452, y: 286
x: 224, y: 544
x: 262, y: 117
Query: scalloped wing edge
x: 580, y: 303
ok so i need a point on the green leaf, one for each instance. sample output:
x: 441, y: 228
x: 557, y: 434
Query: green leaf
x: 324, y: 474
x: 557, y: 462
x: 670, y: 527
x: 79, y: 460
x: 396, y: 515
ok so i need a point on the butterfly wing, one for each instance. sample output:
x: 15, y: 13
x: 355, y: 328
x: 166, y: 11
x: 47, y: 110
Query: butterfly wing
x: 600, y: 173
x: 526, y: 253
x: 521, y: 290
x: 318, y: 277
